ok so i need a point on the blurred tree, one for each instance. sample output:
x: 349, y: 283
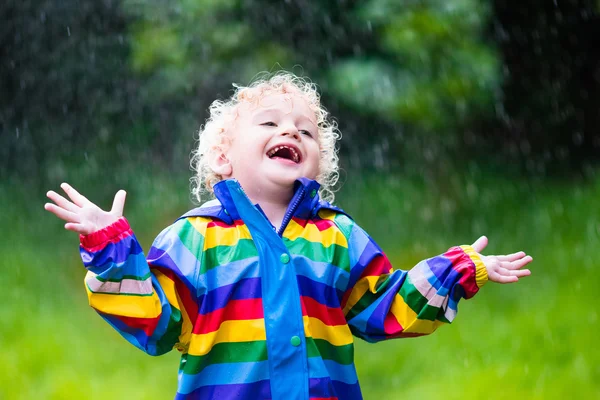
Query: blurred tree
x: 548, y: 119
x: 409, y: 81
x: 65, y: 83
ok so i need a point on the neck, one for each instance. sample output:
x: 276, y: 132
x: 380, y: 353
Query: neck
x: 273, y: 203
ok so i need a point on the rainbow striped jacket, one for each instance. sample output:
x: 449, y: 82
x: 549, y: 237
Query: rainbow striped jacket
x: 265, y: 314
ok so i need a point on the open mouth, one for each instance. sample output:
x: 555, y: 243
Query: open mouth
x: 285, y: 152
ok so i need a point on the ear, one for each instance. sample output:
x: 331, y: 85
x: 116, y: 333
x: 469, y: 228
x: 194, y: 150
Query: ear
x: 220, y: 164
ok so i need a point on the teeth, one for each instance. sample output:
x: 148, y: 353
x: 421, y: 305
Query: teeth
x: 295, y: 155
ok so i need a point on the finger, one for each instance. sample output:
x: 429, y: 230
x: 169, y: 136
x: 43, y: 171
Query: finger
x: 62, y: 213
x: 74, y: 195
x: 61, y: 201
x: 503, y: 279
x: 517, y: 272
x: 517, y: 264
x: 480, y: 244
x: 119, y: 203
x: 79, y: 228
x: 512, y: 257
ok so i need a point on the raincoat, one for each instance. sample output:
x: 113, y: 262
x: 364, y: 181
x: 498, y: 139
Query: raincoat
x: 264, y: 314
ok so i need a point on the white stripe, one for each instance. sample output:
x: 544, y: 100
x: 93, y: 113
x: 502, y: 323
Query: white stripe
x: 426, y: 289
x: 125, y: 286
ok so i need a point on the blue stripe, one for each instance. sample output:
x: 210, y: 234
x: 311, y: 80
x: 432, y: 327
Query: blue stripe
x: 218, y: 298
x: 224, y: 374
x: 322, y: 293
x: 136, y: 337
x: 179, y: 259
x: 320, y: 368
x: 442, y: 274
x: 135, y: 265
x: 321, y: 272
x: 230, y: 273
x: 256, y: 390
x: 112, y: 253
x: 325, y: 387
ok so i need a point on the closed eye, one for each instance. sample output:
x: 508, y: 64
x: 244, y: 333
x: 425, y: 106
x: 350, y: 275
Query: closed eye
x: 269, y: 123
x: 305, y: 132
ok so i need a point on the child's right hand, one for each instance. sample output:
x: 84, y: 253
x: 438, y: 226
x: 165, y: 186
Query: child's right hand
x: 82, y: 215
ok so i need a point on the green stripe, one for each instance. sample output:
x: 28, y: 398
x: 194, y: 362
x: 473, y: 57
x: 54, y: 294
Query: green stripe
x: 171, y: 336
x: 223, y: 255
x: 417, y: 302
x: 132, y: 277
x: 189, y: 236
x: 231, y: 352
x: 344, y: 224
x: 327, y: 351
x: 334, y: 254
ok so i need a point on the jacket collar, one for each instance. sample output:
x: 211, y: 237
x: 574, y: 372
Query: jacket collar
x: 306, y: 194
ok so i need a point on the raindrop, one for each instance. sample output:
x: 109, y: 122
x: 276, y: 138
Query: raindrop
x: 68, y: 31
x: 18, y: 133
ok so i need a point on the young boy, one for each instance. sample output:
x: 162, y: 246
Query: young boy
x: 263, y: 288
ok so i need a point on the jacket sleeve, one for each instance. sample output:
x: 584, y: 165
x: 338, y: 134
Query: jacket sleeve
x: 380, y: 303
x: 150, y: 301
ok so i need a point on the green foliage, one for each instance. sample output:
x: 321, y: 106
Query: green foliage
x: 444, y: 75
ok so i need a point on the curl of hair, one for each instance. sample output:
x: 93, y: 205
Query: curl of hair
x: 213, y: 137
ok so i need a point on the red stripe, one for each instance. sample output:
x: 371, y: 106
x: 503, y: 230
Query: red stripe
x: 463, y: 264
x: 391, y: 326
x: 114, y: 233
x: 378, y: 266
x: 328, y: 315
x: 182, y: 291
x: 234, y: 310
x: 145, y: 324
x: 321, y: 224
x: 221, y: 224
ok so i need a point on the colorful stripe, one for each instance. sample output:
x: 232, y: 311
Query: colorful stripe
x: 201, y: 290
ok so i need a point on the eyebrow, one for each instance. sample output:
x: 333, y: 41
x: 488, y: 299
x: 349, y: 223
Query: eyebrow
x: 268, y: 111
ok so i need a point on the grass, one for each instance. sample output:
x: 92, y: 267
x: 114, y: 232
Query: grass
x: 532, y: 340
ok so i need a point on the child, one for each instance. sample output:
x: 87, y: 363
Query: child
x: 262, y: 288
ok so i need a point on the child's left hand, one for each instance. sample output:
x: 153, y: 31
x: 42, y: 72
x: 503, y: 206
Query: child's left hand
x: 503, y: 269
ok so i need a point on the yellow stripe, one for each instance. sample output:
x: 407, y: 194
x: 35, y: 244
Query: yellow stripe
x: 229, y: 331
x: 125, y: 306
x: 217, y: 236
x: 337, y: 335
x: 168, y: 287
x: 327, y: 237
x: 359, y: 290
x: 407, y: 318
x: 481, y: 275
x: 328, y: 214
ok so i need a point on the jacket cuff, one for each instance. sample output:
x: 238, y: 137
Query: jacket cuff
x: 481, y: 275
x: 110, y: 233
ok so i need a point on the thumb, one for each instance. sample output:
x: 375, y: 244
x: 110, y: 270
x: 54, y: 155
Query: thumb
x: 480, y: 244
x: 119, y: 203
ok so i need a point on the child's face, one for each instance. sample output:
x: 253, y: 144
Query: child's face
x: 273, y: 143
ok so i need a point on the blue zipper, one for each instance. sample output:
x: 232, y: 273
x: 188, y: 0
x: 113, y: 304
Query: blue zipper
x: 290, y: 212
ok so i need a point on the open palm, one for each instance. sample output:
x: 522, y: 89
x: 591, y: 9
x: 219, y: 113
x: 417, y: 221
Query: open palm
x: 506, y: 268
x: 83, y: 216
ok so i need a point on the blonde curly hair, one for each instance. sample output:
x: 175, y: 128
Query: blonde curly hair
x: 213, y: 138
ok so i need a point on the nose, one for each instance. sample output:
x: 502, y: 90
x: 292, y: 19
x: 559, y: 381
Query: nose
x: 291, y: 131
